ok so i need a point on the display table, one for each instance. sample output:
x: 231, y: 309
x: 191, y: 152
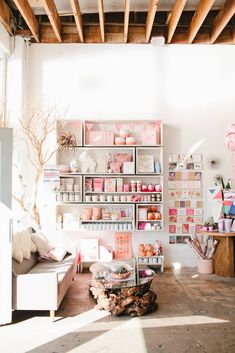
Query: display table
x: 127, y: 296
x: 224, y: 260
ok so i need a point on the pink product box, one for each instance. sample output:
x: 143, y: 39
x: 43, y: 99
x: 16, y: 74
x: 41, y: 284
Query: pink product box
x: 98, y: 184
x: 110, y: 185
x: 89, y: 184
x: 126, y: 188
x: 100, y: 137
x: 96, y: 211
x: 141, y: 225
x: 105, y: 214
x: 119, y: 185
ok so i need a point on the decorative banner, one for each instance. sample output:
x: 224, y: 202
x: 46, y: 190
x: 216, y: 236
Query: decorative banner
x: 215, y: 199
x: 51, y: 174
x: 123, y: 245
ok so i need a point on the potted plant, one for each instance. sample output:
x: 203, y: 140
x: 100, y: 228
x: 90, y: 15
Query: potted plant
x: 209, y: 224
x: 121, y: 272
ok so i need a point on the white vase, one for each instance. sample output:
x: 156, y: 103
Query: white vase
x: 74, y: 164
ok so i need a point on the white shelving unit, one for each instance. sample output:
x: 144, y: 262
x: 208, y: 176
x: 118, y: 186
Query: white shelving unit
x: 108, y: 184
x: 150, y: 260
x: 149, y: 217
x: 92, y: 194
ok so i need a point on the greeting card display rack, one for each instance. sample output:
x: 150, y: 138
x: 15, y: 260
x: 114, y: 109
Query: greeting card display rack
x: 185, y: 196
x: 111, y: 179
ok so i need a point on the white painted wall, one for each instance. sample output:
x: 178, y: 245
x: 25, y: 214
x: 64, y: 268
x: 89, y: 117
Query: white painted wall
x: 190, y: 88
x: 4, y: 40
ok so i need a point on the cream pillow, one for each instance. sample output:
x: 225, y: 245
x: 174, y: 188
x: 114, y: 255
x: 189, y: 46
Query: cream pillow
x: 17, y: 250
x: 42, y: 243
x: 22, y: 245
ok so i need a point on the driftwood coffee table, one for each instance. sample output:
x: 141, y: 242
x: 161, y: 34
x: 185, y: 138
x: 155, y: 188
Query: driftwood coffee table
x: 125, y: 296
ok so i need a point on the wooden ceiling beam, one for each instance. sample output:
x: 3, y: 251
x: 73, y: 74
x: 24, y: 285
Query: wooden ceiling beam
x: 126, y: 19
x: 114, y: 34
x: 5, y: 16
x: 222, y: 19
x: 101, y: 18
x: 174, y: 18
x: 29, y: 17
x: 150, y: 18
x: 233, y: 32
x: 198, y: 18
x: 78, y: 18
x: 54, y: 18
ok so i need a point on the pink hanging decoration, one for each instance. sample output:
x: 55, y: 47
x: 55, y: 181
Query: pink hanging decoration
x: 230, y: 144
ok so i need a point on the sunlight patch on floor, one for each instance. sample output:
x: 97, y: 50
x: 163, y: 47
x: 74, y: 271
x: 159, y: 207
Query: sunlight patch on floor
x: 43, y: 330
x: 122, y: 337
x: 149, y: 323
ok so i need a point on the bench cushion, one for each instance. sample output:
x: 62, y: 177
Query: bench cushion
x: 60, y: 268
x: 25, y: 266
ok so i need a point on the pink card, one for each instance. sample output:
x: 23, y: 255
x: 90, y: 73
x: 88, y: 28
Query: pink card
x: 184, y: 176
x: 172, y: 211
x: 172, y: 228
x: 173, y: 219
x: 185, y: 228
x: 198, y: 228
x: 181, y: 211
x: 198, y: 219
x: 190, y: 211
x: 179, y: 228
x: 192, y: 228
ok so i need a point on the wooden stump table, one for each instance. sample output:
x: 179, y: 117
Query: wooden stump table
x: 224, y: 260
x: 132, y: 297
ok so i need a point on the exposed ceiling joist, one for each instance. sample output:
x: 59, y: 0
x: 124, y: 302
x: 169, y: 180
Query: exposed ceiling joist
x: 199, y: 17
x: 222, y: 19
x: 114, y: 34
x: 126, y: 19
x: 101, y: 18
x: 54, y: 18
x: 174, y: 18
x: 29, y: 17
x: 233, y: 32
x: 5, y: 16
x: 78, y: 18
x: 150, y: 18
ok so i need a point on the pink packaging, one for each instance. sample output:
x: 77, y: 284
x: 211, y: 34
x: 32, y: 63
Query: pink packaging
x: 115, y: 167
x: 119, y: 185
x: 110, y: 185
x: 97, y: 211
x: 126, y: 188
x: 98, y: 184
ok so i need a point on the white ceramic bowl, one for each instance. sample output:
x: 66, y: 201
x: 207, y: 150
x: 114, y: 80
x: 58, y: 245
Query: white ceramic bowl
x: 64, y: 168
x: 124, y: 133
x: 130, y: 140
x: 120, y: 141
